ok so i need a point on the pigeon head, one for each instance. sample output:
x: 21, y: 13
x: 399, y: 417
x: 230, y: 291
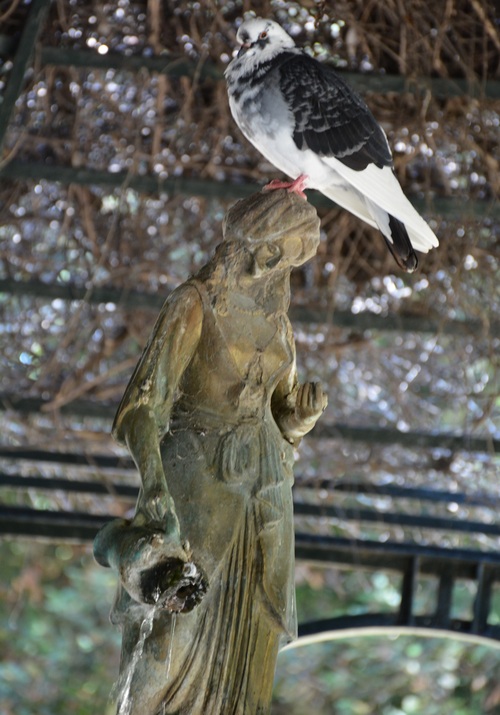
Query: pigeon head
x: 262, y: 38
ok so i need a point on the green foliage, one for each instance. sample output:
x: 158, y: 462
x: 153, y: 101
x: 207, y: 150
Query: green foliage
x: 60, y: 653
x: 380, y: 675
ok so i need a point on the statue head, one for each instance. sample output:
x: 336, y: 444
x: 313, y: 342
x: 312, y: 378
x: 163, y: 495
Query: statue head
x: 279, y: 229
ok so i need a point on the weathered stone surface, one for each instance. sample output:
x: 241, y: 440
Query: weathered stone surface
x: 210, y: 417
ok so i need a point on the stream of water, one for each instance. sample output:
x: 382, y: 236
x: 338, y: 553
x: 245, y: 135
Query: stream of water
x: 121, y: 691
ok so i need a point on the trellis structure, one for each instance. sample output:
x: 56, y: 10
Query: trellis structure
x: 411, y: 560
x: 481, y: 569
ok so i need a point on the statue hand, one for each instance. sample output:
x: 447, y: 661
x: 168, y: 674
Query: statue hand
x: 155, y: 506
x: 168, y: 577
x: 310, y: 403
x: 302, y: 412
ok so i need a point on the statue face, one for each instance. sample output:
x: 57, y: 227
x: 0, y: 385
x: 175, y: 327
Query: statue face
x: 274, y: 222
x: 298, y: 248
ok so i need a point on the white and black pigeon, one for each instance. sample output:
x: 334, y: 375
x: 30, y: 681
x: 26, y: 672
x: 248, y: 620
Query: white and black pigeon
x: 312, y: 126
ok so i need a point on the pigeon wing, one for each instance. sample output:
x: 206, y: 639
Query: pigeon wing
x: 333, y: 121
x: 329, y: 117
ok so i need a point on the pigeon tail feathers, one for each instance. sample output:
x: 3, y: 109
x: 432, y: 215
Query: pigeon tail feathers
x: 399, y: 245
x: 396, y: 237
x: 394, y: 231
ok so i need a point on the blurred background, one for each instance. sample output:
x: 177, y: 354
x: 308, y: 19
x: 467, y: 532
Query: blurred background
x: 119, y: 159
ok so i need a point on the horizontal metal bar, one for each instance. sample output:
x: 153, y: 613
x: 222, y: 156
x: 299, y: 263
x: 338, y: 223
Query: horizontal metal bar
x: 125, y: 490
x: 128, y: 298
x: 443, y: 206
x: 162, y: 64
x: 395, y: 492
x: 71, y: 486
x: 420, y: 521
x: 21, y: 513
x: 374, y: 555
x: 77, y: 408
x: 16, y: 169
x: 412, y: 439
x: 300, y: 509
x: 179, y: 67
x: 24, y: 521
x: 389, y: 622
x: 369, y: 435
x: 102, y: 461
x: 341, y: 318
x: 394, y: 556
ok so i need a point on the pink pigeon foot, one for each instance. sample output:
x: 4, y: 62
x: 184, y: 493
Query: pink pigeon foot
x: 295, y: 187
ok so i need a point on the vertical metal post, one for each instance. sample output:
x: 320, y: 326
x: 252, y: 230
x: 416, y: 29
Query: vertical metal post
x: 32, y: 27
x: 444, y: 599
x: 482, y: 602
x: 408, y: 589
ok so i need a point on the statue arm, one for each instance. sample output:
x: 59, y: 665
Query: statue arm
x: 297, y: 408
x: 144, y: 413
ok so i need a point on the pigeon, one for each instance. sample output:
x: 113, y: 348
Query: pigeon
x: 309, y: 123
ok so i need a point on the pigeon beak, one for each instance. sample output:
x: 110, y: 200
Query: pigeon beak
x: 245, y: 46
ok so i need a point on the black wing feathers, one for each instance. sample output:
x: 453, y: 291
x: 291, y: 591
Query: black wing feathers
x: 330, y: 118
x: 401, y: 247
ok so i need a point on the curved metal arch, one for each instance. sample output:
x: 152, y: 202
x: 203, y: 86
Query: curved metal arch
x: 386, y: 624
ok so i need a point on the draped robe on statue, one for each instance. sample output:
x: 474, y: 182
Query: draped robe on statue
x: 218, y: 378
x: 226, y: 460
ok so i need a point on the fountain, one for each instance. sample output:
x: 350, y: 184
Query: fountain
x: 211, y: 417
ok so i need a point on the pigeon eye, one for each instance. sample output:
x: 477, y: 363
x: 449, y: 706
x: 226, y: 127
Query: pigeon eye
x: 263, y: 35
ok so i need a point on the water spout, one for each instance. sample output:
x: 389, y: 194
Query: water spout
x: 151, y: 570
x: 121, y: 691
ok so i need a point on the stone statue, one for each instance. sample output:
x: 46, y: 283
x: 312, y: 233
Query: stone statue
x: 210, y: 417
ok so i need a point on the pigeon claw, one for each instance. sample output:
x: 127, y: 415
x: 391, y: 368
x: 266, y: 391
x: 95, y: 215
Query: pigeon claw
x: 295, y: 187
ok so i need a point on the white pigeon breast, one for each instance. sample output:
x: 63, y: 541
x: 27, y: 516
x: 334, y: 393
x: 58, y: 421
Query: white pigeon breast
x: 265, y: 119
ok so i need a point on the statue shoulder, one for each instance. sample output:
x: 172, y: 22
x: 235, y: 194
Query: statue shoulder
x: 183, y: 305
x: 187, y: 295
x: 173, y: 338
